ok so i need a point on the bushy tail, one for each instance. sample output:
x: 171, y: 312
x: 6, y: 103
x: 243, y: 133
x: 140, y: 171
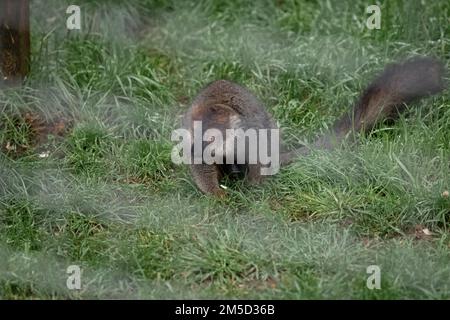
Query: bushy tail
x: 398, y: 84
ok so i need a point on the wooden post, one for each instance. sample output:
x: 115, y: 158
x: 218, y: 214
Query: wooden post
x: 14, y: 41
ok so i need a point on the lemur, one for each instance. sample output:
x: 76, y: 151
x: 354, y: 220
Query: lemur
x: 226, y: 105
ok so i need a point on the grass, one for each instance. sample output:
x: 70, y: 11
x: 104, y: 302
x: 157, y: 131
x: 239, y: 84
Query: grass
x: 103, y: 103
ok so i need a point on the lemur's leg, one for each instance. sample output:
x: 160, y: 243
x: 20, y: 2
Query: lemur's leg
x: 254, y: 174
x: 207, y: 177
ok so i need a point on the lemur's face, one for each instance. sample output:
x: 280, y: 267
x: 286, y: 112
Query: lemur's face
x: 216, y: 121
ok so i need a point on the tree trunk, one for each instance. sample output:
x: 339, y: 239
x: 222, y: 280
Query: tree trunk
x: 14, y: 41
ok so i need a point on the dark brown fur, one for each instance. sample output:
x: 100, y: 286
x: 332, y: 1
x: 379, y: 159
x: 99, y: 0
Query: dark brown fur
x: 226, y: 105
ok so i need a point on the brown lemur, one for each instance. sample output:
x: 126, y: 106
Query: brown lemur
x: 226, y: 105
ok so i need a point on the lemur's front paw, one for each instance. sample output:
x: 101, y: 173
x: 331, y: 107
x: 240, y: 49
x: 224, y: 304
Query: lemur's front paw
x: 220, y: 193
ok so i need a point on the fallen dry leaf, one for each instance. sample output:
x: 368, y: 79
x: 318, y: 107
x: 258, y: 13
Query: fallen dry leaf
x: 44, y: 154
x: 422, y: 233
x: 10, y: 147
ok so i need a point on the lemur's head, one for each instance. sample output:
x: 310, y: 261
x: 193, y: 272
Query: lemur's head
x: 216, y: 121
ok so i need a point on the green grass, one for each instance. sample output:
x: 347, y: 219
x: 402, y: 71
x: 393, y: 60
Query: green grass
x: 109, y: 199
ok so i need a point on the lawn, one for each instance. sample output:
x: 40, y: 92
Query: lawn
x: 86, y: 176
